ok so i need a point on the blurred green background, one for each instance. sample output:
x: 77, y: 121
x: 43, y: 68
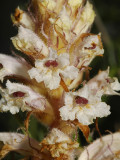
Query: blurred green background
x: 108, y: 23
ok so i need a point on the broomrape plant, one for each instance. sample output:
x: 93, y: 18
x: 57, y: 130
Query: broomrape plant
x: 50, y: 83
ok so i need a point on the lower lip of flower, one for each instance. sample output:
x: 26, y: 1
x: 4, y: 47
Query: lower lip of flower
x: 81, y: 100
x: 52, y: 63
x: 18, y: 94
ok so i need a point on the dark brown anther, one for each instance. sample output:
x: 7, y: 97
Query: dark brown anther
x: 81, y: 100
x: 18, y: 94
x: 52, y: 63
x: 1, y: 66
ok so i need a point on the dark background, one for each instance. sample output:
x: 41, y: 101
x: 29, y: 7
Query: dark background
x: 108, y: 23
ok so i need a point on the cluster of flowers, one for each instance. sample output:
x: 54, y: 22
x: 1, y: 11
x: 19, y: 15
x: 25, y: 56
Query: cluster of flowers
x: 49, y: 83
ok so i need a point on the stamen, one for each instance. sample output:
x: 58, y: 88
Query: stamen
x: 1, y: 66
x: 52, y: 63
x: 81, y: 100
x: 18, y: 94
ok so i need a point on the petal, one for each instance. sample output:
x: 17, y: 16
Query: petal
x: 64, y: 22
x: 90, y: 47
x: 29, y: 43
x: 106, y: 147
x: 31, y: 98
x: 83, y: 118
x: 52, y: 54
x: 19, y: 143
x: 87, y: 115
x: 70, y: 72
x: 68, y: 113
x: 50, y: 77
x: 66, y: 145
x: 14, y: 109
x: 69, y: 98
x: 115, y: 85
x: 52, y: 80
x: 103, y: 83
x: 22, y: 18
x: 37, y: 74
x: 13, y: 66
x: 17, y: 96
x: 84, y: 92
x: 63, y: 60
x: 56, y: 136
x: 101, y: 110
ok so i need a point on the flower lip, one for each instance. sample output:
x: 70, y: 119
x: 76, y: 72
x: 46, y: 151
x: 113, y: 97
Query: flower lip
x: 52, y: 63
x: 18, y: 94
x: 81, y: 100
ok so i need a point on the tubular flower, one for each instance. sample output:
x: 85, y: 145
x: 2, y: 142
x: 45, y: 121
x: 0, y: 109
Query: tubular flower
x: 105, y: 83
x: 107, y: 149
x: 59, y: 145
x: 17, y: 96
x: 23, y: 18
x: 50, y: 68
x: 10, y: 66
x: 19, y: 143
x: 88, y: 49
x: 29, y: 43
x: 86, y: 104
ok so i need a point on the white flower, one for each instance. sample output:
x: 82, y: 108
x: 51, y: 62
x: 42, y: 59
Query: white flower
x: 84, y: 106
x: 103, y: 82
x: 105, y: 148
x: 23, y: 18
x: 49, y: 70
x: 29, y: 43
x: 12, y: 66
x: 59, y: 143
x: 19, y: 143
x: 17, y: 96
x: 71, y: 20
x: 89, y: 48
